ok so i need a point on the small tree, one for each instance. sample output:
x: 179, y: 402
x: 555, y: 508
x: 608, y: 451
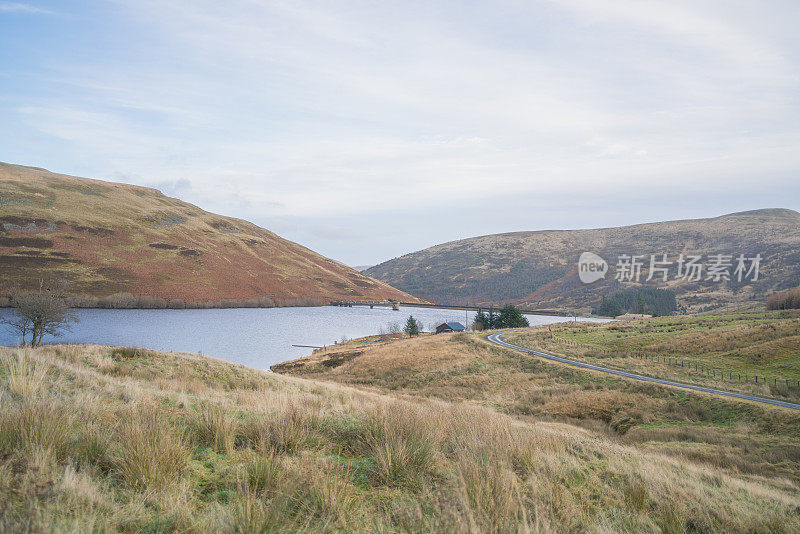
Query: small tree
x: 492, y: 320
x: 39, y: 313
x: 511, y: 317
x: 19, y: 324
x: 481, y: 321
x: 411, y: 328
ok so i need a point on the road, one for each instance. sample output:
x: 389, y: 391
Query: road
x: 497, y: 339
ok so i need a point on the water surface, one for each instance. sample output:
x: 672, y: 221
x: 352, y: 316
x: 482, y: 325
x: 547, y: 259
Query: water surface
x: 256, y: 337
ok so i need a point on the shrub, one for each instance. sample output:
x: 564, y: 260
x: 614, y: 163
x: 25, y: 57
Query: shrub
x: 176, y: 304
x: 784, y: 300
x: 646, y: 300
x: 118, y: 300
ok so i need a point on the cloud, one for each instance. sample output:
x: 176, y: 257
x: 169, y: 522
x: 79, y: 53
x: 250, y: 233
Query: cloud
x: 175, y: 188
x: 19, y: 7
x: 302, y: 110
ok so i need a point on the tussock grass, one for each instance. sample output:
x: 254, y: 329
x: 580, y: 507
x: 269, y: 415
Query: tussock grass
x: 736, y: 436
x: 25, y: 375
x: 151, y: 452
x: 216, y: 427
x: 402, y: 443
x: 287, y: 430
x: 37, y: 427
x: 245, y: 451
x: 263, y: 474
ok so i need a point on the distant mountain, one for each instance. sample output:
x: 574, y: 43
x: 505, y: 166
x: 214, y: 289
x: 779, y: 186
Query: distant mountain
x: 541, y: 268
x: 106, y: 238
x: 361, y: 268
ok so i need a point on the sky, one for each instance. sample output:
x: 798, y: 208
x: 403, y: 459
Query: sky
x: 367, y: 130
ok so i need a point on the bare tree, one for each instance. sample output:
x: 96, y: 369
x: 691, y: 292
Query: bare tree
x: 18, y: 323
x: 39, y: 312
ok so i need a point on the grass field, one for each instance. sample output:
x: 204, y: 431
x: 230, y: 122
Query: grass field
x: 732, y: 435
x: 96, y: 439
x: 749, y: 345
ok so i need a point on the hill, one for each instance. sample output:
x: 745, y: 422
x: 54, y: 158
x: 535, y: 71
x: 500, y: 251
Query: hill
x: 540, y: 269
x: 108, y: 238
x: 124, y: 440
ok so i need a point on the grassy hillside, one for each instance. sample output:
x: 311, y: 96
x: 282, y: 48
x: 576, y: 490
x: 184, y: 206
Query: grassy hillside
x: 106, y: 238
x: 540, y: 268
x: 700, y: 350
x: 734, y: 436
x: 95, y: 438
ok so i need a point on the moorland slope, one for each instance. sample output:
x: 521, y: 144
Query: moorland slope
x: 105, y: 238
x: 539, y: 269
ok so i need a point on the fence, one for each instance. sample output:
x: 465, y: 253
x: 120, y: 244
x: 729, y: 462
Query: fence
x: 708, y: 371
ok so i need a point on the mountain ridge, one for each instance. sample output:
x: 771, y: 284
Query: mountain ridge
x: 539, y: 268
x: 106, y: 238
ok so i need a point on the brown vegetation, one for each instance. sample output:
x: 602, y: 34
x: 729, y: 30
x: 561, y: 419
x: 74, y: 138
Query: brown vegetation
x: 126, y: 440
x: 754, y: 353
x: 784, y: 300
x: 731, y: 435
x: 125, y: 240
x: 539, y: 269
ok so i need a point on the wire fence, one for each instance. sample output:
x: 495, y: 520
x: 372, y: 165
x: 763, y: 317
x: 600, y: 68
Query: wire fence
x: 692, y: 366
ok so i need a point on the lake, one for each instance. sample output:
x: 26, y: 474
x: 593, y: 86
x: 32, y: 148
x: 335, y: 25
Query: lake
x: 256, y: 337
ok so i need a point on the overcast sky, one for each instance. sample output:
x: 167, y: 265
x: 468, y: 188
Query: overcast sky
x: 366, y: 130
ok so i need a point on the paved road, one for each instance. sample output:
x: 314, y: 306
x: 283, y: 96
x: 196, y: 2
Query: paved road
x: 497, y: 339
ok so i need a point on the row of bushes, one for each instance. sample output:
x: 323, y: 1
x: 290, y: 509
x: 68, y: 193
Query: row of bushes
x: 509, y: 317
x: 784, y: 300
x: 129, y: 301
x: 645, y: 300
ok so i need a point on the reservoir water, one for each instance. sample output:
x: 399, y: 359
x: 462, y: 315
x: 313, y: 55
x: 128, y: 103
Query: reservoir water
x: 256, y: 337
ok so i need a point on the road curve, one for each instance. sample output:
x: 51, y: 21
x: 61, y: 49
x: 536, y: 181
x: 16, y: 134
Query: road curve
x: 497, y: 339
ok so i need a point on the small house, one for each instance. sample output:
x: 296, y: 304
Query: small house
x: 450, y: 327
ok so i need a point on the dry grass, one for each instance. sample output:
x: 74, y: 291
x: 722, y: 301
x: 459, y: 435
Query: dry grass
x: 253, y: 452
x: 25, y: 375
x: 784, y: 300
x: 152, y: 452
x: 216, y: 427
x: 736, y: 436
x: 747, y: 344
